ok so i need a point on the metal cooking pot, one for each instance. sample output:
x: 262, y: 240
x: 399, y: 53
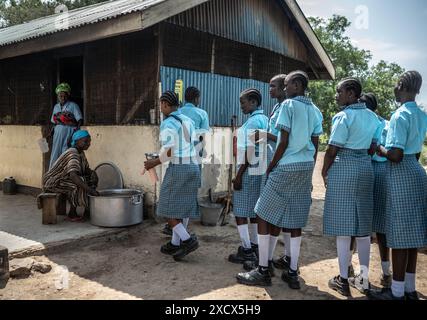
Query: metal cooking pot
x: 116, y: 208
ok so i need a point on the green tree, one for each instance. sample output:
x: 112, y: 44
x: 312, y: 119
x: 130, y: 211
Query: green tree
x: 350, y: 61
x: 14, y: 12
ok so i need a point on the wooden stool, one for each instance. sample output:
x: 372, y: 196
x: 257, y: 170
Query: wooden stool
x: 52, y: 204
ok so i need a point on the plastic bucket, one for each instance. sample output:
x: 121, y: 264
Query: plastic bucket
x: 210, y: 213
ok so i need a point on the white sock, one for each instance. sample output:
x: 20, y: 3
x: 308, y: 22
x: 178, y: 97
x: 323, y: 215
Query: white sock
x: 343, y: 245
x: 253, y: 232
x: 287, y: 243
x: 176, y: 241
x: 244, y: 235
x: 185, y: 222
x: 295, y: 249
x: 385, y: 265
x: 263, y: 244
x: 364, y: 251
x: 182, y: 233
x: 398, y: 288
x: 272, y: 247
x: 410, y: 282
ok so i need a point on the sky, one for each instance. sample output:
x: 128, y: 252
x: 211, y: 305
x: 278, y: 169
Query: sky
x: 393, y: 30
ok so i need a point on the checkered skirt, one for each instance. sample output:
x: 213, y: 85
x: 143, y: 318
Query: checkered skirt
x: 178, y: 193
x: 286, y: 198
x: 244, y: 200
x: 406, y: 215
x: 380, y: 196
x: 349, y: 200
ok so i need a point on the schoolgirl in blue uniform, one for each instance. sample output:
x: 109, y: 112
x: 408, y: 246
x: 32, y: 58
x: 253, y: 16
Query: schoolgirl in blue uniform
x: 286, y: 198
x: 349, y: 180
x: 379, y: 164
x: 247, y: 183
x: 406, y: 210
x: 277, y: 91
x: 178, y: 193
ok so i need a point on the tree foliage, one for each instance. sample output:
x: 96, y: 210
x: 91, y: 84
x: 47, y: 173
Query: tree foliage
x: 350, y: 61
x: 14, y: 12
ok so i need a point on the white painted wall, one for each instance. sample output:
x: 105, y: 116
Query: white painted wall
x: 125, y: 146
x: 20, y: 155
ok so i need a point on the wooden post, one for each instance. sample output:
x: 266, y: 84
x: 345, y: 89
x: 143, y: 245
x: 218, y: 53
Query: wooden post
x: 119, y: 79
x: 49, y: 209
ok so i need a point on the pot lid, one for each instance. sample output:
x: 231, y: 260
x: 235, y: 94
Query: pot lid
x: 109, y: 176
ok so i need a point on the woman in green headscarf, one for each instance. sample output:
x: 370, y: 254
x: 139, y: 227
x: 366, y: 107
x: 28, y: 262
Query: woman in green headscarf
x: 67, y: 119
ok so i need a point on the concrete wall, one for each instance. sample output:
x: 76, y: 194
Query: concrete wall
x: 125, y: 146
x: 20, y: 154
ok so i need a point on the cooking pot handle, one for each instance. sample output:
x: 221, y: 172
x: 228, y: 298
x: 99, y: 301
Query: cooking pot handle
x: 136, y: 199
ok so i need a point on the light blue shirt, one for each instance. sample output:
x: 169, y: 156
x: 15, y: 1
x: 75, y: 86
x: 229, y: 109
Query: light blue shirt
x: 68, y: 106
x: 256, y: 121
x: 274, y: 115
x: 303, y: 120
x: 355, y: 127
x: 172, y: 136
x: 384, y: 129
x: 407, y: 129
x: 199, y: 116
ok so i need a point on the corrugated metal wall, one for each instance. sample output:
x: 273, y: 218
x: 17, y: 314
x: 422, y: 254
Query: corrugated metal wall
x: 220, y: 94
x: 256, y: 22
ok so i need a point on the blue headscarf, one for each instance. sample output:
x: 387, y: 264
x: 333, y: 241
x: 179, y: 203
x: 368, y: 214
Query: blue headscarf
x: 80, y: 134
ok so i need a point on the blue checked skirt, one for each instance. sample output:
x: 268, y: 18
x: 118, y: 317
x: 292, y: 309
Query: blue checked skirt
x: 271, y: 149
x: 244, y: 200
x: 178, y: 193
x: 286, y: 198
x: 349, y: 200
x: 406, y: 216
x: 380, y: 196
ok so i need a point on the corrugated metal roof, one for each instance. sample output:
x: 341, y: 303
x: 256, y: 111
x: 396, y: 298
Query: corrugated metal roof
x: 73, y: 19
x: 219, y: 94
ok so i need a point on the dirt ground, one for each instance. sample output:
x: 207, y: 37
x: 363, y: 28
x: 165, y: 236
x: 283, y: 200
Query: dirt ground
x: 131, y: 267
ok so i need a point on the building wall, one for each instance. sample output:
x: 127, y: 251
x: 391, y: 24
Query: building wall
x: 255, y: 22
x: 219, y: 94
x: 20, y: 155
x: 125, y: 146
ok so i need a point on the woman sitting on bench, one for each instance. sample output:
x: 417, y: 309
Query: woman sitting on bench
x: 71, y: 175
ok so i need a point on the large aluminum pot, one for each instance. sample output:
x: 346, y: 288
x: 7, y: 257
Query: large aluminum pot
x: 116, y: 208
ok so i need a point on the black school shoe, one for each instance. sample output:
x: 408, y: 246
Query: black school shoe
x: 340, y: 285
x: 383, y: 294
x: 255, y: 249
x: 250, y: 265
x: 186, y: 247
x: 284, y: 263
x: 169, y: 248
x: 255, y: 277
x: 412, y: 296
x: 357, y: 283
x: 242, y: 255
x: 167, y: 230
x: 291, y: 278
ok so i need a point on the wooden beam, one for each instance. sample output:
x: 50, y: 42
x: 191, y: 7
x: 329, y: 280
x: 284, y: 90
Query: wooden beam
x: 101, y: 30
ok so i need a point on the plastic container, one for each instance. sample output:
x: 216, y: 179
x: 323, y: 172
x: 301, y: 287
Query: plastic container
x: 44, y: 147
x: 210, y: 213
x: 153, y: 117
x: 9, y: 186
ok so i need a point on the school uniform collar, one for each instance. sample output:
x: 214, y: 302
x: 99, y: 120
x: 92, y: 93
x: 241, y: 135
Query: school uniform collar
x: 175, y: 113
x: 189, y: 104
x: 303, y: 99
x: 258, y: 111
x: 410, y: 104
x: 275, y: 108
x: 359, y: 105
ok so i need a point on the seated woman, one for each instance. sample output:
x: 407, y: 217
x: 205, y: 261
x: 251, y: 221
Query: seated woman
x: 71, y: 175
